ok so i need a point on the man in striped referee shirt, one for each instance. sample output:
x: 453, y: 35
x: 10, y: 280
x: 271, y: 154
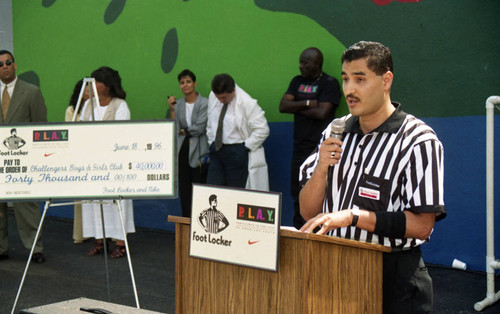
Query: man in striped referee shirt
x: 211, y: 219
x: 382, y: 183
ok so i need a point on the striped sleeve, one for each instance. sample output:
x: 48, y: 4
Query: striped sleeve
x: 311, y: 162
x: 424, y: 187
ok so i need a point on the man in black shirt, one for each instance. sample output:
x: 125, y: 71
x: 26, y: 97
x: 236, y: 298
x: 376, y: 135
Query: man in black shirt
x: 312, y: 98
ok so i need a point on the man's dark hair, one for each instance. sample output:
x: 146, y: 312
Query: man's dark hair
x: 186, y: 73
x: 222, y: 83
x: 111, y: 79
x: 12, y: 131
x: 212, y: 198
x: 379, y: 56
x: 3, y: 52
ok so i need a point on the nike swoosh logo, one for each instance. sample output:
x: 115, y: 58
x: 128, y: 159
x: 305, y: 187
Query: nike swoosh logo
x: 252, y: 242
x: 47, y: 155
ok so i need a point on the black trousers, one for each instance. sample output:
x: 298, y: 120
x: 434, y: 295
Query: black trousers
x: 228, y: 166
x: 188, y: 176
x: 407, y: 284
x: 297, y: 160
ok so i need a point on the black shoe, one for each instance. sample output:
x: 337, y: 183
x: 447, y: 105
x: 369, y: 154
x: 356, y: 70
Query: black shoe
x: 4, y: 256
x: 38, y: 258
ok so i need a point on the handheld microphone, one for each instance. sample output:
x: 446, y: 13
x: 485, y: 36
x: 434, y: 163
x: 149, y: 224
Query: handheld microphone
x: 337, y: 128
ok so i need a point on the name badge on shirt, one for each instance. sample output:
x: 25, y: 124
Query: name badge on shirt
x: 373, y: 193
x: 369, y: 193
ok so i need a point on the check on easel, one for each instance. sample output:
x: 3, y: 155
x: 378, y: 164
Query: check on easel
x: 88, y: 160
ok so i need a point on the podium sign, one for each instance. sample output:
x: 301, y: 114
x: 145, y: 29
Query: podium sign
x: 235, y: 226
x: 88, y: 160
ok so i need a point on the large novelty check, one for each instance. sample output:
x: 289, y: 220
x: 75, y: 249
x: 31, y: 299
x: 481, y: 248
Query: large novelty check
x: 88, y: 160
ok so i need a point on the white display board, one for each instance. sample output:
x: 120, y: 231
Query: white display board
x: 240, y: 227
x: 88, y: 160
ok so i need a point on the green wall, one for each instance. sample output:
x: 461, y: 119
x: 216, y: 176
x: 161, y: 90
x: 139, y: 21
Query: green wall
x: 150, y: 42
x: 446, y: 52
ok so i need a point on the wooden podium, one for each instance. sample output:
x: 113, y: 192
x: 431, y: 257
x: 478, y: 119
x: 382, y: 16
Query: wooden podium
x: 316, y: 274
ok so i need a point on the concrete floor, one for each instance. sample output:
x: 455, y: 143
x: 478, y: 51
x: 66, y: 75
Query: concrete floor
x: 69, y: 274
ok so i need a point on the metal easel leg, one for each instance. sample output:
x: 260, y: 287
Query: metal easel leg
x: 105, y: 250
x: 47, y: 204
x: 118, y: 203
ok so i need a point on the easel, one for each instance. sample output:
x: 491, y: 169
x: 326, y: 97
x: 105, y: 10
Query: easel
x: 90, y: 82
x: 93, y: 101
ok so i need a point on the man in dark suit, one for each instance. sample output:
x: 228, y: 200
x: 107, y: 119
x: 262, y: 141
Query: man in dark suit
x: 21, y: 102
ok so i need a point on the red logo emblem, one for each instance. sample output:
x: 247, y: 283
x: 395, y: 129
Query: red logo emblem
x: 252, y: 242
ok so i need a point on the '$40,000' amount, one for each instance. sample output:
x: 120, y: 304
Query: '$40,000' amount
x: 143, y: 166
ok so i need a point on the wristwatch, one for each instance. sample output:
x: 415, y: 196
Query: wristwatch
x: 355, y: 216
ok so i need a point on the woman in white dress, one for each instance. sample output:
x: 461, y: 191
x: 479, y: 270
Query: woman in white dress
x: 112, y: 106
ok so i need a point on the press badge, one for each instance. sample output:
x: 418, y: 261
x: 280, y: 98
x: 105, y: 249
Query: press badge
x: 369, y: 193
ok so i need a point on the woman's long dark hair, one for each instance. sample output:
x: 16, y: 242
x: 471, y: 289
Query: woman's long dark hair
x: 74, y: 97
x: 111, y: 79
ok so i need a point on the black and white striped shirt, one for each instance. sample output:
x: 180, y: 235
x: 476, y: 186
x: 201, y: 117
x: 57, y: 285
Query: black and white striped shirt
x: 212, y: 218
x: 396, y: 167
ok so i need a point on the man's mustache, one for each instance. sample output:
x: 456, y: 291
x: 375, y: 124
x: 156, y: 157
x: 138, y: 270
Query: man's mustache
x: 348, y: 97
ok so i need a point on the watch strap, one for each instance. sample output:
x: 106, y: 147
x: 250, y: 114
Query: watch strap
x: 355, y: 217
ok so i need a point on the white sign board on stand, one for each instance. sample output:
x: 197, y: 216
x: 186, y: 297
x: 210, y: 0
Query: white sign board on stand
x: 88, y: 160
x: 235, y: 226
